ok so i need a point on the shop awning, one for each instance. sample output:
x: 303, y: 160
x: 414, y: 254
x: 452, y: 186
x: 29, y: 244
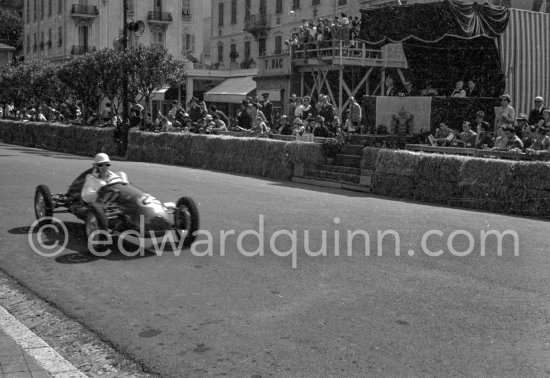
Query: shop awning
x: 232, y: 90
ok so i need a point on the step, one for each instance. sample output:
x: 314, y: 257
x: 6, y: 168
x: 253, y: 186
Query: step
x: 348, y: 160
x: 335, y: 168
x: 334, y: 176
x: 353, y: 149
x: 331, y: 184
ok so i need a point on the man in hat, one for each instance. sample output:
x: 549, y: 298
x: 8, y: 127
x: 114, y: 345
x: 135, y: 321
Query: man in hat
x: 100, y: 176
x: 267, y: 108
x: 535, y: 115
x: 522, y: 122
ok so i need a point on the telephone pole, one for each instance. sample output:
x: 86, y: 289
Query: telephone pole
x: 125, y: 127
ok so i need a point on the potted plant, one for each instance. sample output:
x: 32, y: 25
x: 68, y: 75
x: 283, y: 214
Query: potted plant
x: 332, y: 147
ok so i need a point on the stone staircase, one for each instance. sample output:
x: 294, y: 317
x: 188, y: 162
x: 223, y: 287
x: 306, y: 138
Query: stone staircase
x: 345, y: 173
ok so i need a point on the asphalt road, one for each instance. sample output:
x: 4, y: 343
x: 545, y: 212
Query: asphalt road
x: 227, y: 314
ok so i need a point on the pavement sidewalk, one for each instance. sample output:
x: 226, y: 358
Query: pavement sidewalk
x: 16, y: 363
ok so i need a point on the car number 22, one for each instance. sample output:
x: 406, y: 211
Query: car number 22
x: 148, y: 200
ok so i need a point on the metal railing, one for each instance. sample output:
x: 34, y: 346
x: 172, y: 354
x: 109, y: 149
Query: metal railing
x: 257, y: 22
x: 160, y: 16
x: 336, y: 49
x: 84, y: 9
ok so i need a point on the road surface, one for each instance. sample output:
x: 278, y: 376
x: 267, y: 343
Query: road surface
x: 233, y: 312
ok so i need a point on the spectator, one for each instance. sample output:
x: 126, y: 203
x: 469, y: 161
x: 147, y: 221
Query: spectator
x: 501, y: 141
x: 299, y: 108
x: 284, y: 128
x: 409, y: 90
x: 195, y: 111
x: 473, y: 90
x: 444, y: 136
x: 505, y: 115
x: 541, y: 142
x: 165, y: 124
x: 326, y: 110
x: 173, y: 111
x: 292, y: 104
x: 467, y: 137
x: 355, y: 114
x: 528, y: 134
x: 221, y: 115
x: 219, y: 124
x: 147, y: 124
x: 535, y: 115
x: 545, y: 121
x: 135, y: 121
x: 459, y: 90
x: 429, y: 90
x: 521, y: 123
x: 484, y: 139
x: 256, y: 112
x: 307, y: 110
x: 244, y: 119
x: 298, y: 128
x: 514, y: 142
x: 390, y: 87
x: 267, y: 108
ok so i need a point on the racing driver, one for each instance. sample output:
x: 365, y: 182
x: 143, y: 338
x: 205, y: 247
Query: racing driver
x: 100, y: 176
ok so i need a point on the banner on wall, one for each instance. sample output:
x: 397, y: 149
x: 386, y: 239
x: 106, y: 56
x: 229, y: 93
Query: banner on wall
x: 404, y: 115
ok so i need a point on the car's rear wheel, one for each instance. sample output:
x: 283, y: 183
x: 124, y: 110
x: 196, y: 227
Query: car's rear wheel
x: 187, y: 220
x: 97, y: 237
x: 43, y: 203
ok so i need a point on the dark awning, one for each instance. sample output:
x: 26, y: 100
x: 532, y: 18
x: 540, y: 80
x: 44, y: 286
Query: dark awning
x: 431, y: 22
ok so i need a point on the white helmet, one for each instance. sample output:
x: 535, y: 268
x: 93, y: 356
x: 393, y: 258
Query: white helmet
x: 101, y: 158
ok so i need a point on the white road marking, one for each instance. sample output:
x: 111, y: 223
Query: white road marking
x: 45, y: 356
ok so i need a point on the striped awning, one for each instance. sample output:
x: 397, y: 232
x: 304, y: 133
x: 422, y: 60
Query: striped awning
x: 525, y: 47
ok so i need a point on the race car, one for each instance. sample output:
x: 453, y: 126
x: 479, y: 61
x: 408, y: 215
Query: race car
x: 120, y: 207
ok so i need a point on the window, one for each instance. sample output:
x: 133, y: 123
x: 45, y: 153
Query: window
x: 41, y: 40
x: 28, y: 43
x: 296, y: 4
x: 159, y: 38
x: 316, y: 2
x: 247, y: 50
x: 34, y: 42
x: 279, y: 6
x: 49, y: 8
x: 189, y: 43
x: 233, y: 11
x: 247, y: 9
x: 261, y: 47
x: 278, y: 44
x: 186, y: 10
x: 233, y: 53
x: 59, y: 6
x: 42, y: 9
x: 28, y: 10
x: 220, y: 14
x: 220, y: 53
x: 60, y: 36
x: 157, y: 6
x: 49, y: 39
x: 83, y: 37
x: 342, y: 2
x: 35, y: 8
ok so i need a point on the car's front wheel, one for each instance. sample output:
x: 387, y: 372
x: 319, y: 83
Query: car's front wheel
x: 43, y: 203
x: 187, y: 220
x: 97, y: 235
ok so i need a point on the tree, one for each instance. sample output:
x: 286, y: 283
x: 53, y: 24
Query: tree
x: 109, y: 73
x: 150, y: 69
x: 11, y: 23
x: 80, y: 77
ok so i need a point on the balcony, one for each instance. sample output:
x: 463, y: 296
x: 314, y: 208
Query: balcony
x: 257, y: 24
x: 159, y: 17
x: 82, y: 50
x: 82, y: 12
x: 274, y: 65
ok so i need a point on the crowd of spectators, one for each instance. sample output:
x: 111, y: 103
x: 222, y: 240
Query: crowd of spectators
x: 525, y: 133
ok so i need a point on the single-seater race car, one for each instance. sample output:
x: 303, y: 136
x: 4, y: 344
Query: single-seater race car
x: 121, y: 207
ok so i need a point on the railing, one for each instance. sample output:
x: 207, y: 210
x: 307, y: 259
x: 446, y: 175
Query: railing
x: 336, y: 49
x: 186, y: 14
x: 81, y: 50
x: 257, y: 22
x: 82, y: 9
x: 274, y: 65
x: 160, y: 16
